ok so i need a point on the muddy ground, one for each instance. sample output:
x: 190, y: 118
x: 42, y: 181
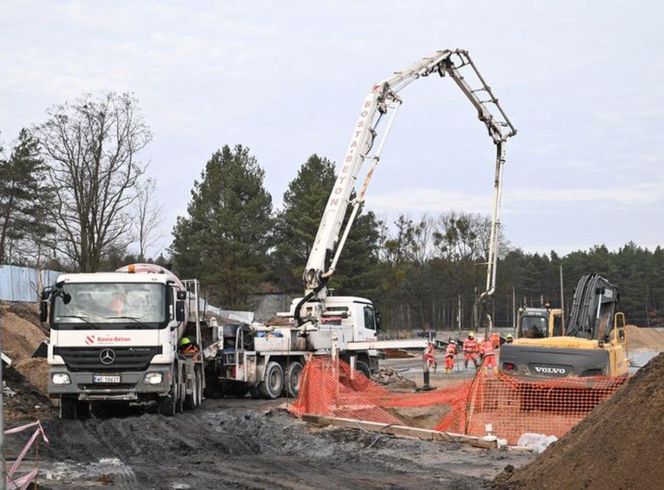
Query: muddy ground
x: 250, y: 444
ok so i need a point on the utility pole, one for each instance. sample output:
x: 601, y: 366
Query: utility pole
x: 562, y: 301
x: 3, y: 482
x: 513, y: 308
x: 459, y: 314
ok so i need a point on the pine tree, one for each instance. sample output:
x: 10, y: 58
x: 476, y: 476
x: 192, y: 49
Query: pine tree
x: 225, y: 237
x: 297, y: 225
x: 24, y: 198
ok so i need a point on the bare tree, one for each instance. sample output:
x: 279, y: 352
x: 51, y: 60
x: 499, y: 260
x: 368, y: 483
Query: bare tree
x: 91, y: 146
x: 148, y: 218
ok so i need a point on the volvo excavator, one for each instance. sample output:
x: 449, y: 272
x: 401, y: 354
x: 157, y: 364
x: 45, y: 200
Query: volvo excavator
x: 593, y: 342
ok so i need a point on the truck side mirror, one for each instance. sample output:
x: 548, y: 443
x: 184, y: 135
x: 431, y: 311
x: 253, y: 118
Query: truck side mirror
x: 179, y: 310
x: 43, y: 304
x: 43, y: 311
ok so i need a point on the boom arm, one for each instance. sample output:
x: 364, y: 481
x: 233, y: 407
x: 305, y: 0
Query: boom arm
x: 384, y: 100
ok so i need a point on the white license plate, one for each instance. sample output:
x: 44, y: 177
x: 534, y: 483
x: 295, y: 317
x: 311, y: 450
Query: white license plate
x: 105, y: 379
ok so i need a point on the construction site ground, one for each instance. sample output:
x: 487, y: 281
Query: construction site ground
x: 232, y: 443
x: 241, y: 443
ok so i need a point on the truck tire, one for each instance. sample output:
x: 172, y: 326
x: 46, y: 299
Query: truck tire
x: 190, y: 399
x: 167, y: 405
x: 83, y: 410
x: 199, y: 391
x: 68, y: 407
x: 363, y: 368
x: 273, y: 381
x: 292, y: 378
x: 180, y: 393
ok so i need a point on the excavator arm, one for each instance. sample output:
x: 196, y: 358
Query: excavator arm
x: 384, y: 101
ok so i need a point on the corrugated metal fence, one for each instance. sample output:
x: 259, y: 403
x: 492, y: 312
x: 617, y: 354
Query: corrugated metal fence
x: 22, y: 283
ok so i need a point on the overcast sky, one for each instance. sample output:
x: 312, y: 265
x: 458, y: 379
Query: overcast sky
x: 582, y: 81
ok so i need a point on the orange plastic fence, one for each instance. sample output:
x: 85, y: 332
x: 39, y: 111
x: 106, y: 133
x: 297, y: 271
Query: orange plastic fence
x: 511, y: 406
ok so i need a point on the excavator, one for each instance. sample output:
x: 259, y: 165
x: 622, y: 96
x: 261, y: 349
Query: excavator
x: 593, y: 342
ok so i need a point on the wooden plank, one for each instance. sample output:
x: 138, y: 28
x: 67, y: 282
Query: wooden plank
x: 401, y: 431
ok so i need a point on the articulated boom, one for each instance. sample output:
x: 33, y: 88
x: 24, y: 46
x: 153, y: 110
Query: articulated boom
x: 384, y: 99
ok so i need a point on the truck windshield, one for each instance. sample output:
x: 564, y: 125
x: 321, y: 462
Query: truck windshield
x: 533, y: 327
x: 126, y: 305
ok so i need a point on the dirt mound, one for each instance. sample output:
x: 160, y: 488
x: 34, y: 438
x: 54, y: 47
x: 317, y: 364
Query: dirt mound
x: 28, y: 404
x: 644, y: 338
x: 29, y: 312
x: 617, y: 446
x: 20, y: 337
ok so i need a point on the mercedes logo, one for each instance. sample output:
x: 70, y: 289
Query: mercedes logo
x: 107, y: 356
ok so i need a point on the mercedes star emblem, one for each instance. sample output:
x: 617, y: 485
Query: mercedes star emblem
x: 107, y: 356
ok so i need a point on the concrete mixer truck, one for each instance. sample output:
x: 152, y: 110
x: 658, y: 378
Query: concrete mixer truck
x: 116, y: 338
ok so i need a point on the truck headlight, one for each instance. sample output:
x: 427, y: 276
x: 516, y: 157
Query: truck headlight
x: 153, y: 378
x: 60, y: 379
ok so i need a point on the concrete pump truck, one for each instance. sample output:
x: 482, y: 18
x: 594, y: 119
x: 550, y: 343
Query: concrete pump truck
x: 267, y: 359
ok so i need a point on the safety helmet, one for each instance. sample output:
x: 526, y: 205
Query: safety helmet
x: 184, y: 341
x: 471, y: 335
x: 509, y: 336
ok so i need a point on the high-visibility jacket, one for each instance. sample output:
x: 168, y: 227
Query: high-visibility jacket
x: 470, y: 348
x: 450, y: 351
x: 487, y: 349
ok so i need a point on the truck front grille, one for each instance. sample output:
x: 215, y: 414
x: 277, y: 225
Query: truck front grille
x: 100, y: 359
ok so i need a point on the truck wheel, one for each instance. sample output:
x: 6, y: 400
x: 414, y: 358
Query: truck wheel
x: 68, y: 407
x: 167, y: 405
x: 293, y: 372
x: 363, y: 368
x: 181, y: 392
x: 190, y: 401
x: 199, y: 388
x: 273, y: 381
x: 83, y: 409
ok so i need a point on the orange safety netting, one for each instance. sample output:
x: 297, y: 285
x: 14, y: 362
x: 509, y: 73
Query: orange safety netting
x: 512, y: 406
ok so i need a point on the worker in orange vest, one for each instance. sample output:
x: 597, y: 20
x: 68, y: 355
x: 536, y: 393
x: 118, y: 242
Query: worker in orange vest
x: 470, y: 350
x: 488, y: 356
x: 429, y: 356
x: 450, y: 352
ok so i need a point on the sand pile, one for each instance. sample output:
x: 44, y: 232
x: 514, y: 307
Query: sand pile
x: 619, y: 445
x: 644, y: 338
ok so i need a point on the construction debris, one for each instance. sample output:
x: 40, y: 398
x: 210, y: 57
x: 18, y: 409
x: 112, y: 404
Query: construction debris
x: 393, y: 379
x: 617, y: 446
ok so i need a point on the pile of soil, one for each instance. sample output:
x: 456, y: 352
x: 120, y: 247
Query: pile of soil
x: 28, y: 404
x: 29, y: 312
x: 393, y: 379
x: 20, y: 337
x: 619, y: 445
x: 644, y: 338
x: 27, y: 376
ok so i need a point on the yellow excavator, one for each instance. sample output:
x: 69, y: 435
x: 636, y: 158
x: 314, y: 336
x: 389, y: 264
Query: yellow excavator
x: 592, y: 342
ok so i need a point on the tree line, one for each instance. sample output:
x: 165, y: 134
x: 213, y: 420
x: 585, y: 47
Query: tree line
x: 74, y: 196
